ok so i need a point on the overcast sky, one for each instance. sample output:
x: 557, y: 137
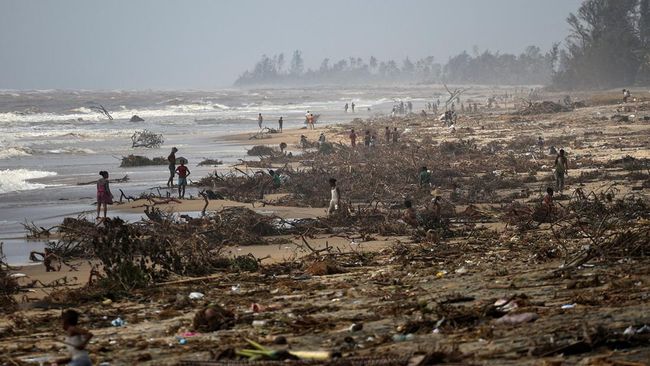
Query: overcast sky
x: 188, y: 44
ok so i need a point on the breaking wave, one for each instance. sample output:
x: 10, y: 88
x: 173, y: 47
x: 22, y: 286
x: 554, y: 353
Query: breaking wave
x: 12, y: 180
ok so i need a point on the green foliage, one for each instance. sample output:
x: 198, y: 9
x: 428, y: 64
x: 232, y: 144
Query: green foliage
x: 606, y: 46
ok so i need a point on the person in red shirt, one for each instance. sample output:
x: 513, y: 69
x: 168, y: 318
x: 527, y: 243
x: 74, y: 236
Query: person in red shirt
x: 183, y: 173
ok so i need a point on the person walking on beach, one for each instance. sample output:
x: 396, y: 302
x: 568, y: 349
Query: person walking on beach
x: 310, y: 120
x: 76, y: 340
x: 307, y: 117
x: 353, y: 138
x: 172, y: 167
x: 260, y: 120
x: 387, y: 133
x: 395, y: 135
x: 352, y: 105
x: 183, y: 173
x: 104, y: 195
x: 561, y: 168
x: 366, y: 139
x: 335, y: 200
x: 346, y: 108
x: 280, y: 121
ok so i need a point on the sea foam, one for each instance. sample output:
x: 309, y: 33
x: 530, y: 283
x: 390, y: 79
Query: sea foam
x: 12, y: 180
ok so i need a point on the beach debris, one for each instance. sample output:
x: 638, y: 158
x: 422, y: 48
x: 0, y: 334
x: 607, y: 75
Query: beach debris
x: 211, y: 162
x: 146, y: 139
x: 517, y: 318
x: 259, y: 352
x: 118, y: 322
x: 8, y: 285
x: 542, y: 108
x: 139, y: 160
x: 196, y: 296
x: 212, y: 318
x: 100, y: 109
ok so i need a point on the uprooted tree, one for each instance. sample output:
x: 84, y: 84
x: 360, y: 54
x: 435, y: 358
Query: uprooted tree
x: 146, y: 138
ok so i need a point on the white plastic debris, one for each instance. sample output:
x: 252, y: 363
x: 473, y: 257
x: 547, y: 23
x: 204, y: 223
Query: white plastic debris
x: 196, y: 295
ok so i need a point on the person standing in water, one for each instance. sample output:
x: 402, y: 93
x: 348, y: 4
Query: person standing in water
x: 260, y: 120
x: 76, y: 340
x: 346, y: 108
x: 561, y: 168
x: 280, y: 121
x: 183, y: 173
x: 172, y: 167
x: 104, y: 195
x: 335, y: 200
x: 352, y: 105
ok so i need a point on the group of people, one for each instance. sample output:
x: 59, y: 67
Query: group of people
x: 182, y: 171
x: 370, y: 140
x: 346, y: 107
x: 402, y: 108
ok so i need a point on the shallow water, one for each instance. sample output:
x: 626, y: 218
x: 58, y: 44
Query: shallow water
x: 51, y: 140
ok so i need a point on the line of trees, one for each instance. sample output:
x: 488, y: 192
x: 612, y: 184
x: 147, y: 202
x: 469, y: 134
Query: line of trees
x: 608, y: 46
x: 530, y: 67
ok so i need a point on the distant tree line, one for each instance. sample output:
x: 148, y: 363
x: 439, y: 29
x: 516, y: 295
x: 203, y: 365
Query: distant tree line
x: 530, y: 67
x: 609, y: 46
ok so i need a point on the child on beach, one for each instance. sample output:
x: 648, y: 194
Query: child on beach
x: 172, y: 167
x: 76, y: 340
x: 183, y: 173
x: 353, y: 138
x: 104, y: 195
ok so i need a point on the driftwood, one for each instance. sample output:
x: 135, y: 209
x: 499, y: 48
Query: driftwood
x: 147, y: 139
x: 100, y: 108
x: 124, y: 179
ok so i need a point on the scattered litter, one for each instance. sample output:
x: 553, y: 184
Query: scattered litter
x: 196, y: 295
x: 569, y: 306
x: 117, y: 322
x: 517, y: 318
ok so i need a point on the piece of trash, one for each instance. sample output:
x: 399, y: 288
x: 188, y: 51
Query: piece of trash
x: 440, y: 274
x: 236, y: 289
x: 257, y: 308
x: 189, y: 334
x: 569, y: 306
x: 355, y: 327
x: 117, y: 322
x: 260, y: 352
x: 17, y: 275
x: 403, y: 337
x: 107, y: 302
x: 461, y: 270
x: 196, y: 295
x: 517, y: 318
x: 258, y: 323
x: 182, y: 341
x: 629, y: 330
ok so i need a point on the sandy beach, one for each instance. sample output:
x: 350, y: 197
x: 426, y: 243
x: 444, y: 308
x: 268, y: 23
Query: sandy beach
x: 352, y: 285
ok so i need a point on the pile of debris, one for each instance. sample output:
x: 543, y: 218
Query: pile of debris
x: 146, y: 138
x: 8, y: 285
x: 139, y: 160
x: 542, y: 108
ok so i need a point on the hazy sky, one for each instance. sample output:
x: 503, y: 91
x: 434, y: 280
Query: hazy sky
x: 184, y: 44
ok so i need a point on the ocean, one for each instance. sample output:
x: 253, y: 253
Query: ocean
x: 52, y: 139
